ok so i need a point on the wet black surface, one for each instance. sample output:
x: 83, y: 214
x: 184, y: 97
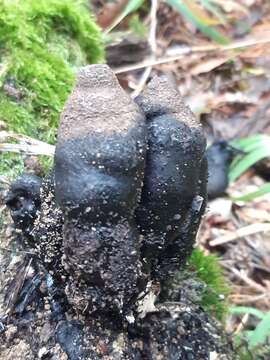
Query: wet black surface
x: 23, y: 200
x: 69, y: 334
x: 219, y: 156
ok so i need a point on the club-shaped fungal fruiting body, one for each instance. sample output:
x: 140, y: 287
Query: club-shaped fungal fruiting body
x: 123, y: 203
x: 174, y: 191
x: 99, y: 169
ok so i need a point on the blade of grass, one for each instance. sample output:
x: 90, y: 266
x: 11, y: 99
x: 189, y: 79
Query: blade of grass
x: 240, y: 310
x: 183, y: 8
x: 200, y: 13
x: 250, y: 143
x: 256, y: 147
x: 214, y: 10
x: 132, y: 6
x: 262, y: 331
x: 264, y: 189
x: 246, y: 162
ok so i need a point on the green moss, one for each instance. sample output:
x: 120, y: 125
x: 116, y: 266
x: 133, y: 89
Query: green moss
x: 206, y: 269
x: 11, y: 165
x: 41, y: 45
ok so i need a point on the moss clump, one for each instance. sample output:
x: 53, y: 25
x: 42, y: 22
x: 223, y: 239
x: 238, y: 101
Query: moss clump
x: 214, y: 291
x: 9, y: 171
x: 41, y: 44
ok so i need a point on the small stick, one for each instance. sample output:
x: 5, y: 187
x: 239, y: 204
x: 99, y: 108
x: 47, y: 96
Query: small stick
x: 248, y: 281
x: 153, y: 46
x: 26, y: 145
x: 246, y: 299
x: 191, y: 50
x: 242, y: 324
x: 239, y: 233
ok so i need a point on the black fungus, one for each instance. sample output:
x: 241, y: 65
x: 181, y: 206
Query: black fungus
x: 23, y: 200
x: 114, y: 221
x: 173, y: 195
x: 69, y: 334
x: 99, y: 165
x: 219, y: 156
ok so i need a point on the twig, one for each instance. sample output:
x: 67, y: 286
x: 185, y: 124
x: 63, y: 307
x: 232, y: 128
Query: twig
x: 248, y: 281
x: 239, y: 233
x: 242, y: 324
x: 153, y: 47
x: 142, y: 82
x: 153, y: 26
x: 246, y: 299
x: 17, y: 251
x: 25, y: 145
x: 191, y: 50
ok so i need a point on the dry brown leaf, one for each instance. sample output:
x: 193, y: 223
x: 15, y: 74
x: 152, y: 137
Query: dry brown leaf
x: 210, y: 64
x: 230, y: 6
x: 109, y: 13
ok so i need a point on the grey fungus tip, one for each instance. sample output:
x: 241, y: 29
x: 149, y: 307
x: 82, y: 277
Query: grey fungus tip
x: 97, y: 105
x: 161, y: 97
x: 96, y: 76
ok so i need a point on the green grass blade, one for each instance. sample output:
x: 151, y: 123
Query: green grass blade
x: 214, y: 10
x: 251, y: 143
x: 262, y: 331
x: 252, y: 146
x: 132, y: 6
x: 247, y: 161
x: 209, y: 31
x: 242, y: 310
x: 264, y: 189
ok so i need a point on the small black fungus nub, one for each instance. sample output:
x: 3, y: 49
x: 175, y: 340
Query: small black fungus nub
x: 219, y: 156
x: 23, y: 200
